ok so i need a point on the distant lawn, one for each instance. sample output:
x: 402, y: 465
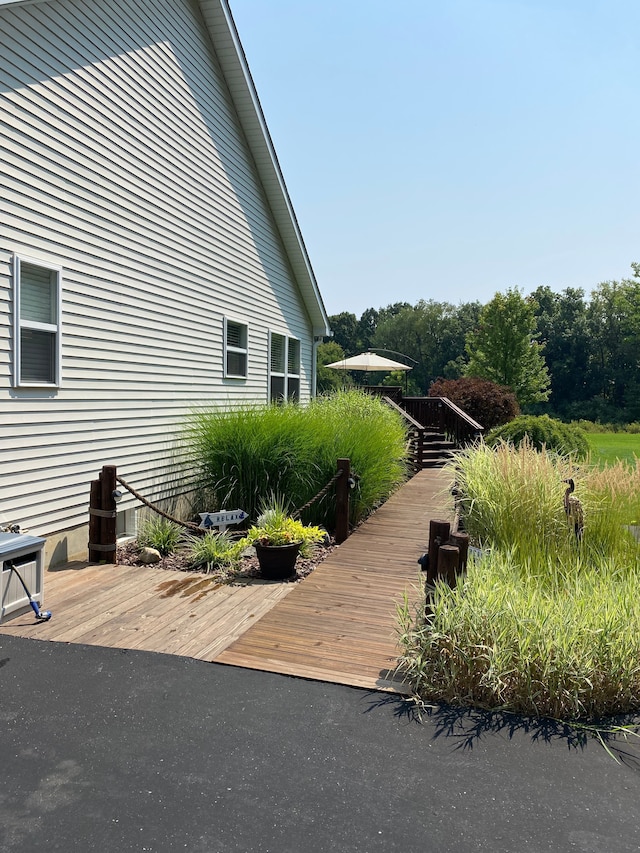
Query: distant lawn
x: 606, y: 447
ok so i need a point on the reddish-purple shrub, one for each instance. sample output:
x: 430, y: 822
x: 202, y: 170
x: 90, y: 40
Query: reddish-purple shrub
x: 486, y: 402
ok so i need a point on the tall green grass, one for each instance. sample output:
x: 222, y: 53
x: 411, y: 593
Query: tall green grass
x: 243, y: 455
x: 544, y: 623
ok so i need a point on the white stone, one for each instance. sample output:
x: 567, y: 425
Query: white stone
x: 150, y: 555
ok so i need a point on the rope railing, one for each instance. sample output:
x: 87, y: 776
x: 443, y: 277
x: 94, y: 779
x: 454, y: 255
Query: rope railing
x: 189, y: 524
x: 103, y: 513
x: 298, y: 512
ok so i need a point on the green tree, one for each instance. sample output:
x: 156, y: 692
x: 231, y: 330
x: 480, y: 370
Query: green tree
x: 345, y: 332
x: 562, y: 324
x: 329, y: 379
x: 366, y: 329
x: 432, y: 333
x: 614, y: 327
x: 504, y: 348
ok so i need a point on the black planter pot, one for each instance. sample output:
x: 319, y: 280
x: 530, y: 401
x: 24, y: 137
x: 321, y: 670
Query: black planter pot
x: 277, y: 562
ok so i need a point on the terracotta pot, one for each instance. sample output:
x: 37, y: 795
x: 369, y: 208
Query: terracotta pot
x: 277, y: 561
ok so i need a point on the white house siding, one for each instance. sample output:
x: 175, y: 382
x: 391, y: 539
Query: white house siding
x: 123, y: 162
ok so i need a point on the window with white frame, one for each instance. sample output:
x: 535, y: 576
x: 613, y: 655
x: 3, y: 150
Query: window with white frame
x: 235, y: 349
x: 284, y: 368
x: 37, y: 310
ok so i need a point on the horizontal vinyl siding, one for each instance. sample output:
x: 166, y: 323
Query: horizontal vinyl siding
x: 123, y: 162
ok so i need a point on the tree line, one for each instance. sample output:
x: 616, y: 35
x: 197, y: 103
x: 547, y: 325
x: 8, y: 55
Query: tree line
x: 566, y: 354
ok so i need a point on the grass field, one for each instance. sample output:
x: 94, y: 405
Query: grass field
x: 606, y: 447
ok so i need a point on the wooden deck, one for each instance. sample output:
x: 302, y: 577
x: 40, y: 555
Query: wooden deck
x: 145, y: 608
x: 337, y: 625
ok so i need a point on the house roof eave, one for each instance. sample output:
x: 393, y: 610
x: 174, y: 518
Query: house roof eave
x: 234, y: 65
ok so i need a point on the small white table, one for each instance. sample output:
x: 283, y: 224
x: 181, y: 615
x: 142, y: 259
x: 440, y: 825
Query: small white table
x: 25, y: 552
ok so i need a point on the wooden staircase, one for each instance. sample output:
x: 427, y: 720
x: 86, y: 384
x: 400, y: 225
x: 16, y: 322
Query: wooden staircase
x: 436, y: 426
x: 434, y: 451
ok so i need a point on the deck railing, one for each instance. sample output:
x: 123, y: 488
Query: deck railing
x: 416, y: 434
x: 441, y: 414
x: 437, y: 414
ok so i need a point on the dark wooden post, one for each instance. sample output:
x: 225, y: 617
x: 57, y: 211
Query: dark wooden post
x: 342, y: 500
x: 102, y: 517
x: 95, y: 505
x: 438, y: 535
x: 448, y: 559
x: 108, y: 518
x: 420, y: 448
x: 461, y: 540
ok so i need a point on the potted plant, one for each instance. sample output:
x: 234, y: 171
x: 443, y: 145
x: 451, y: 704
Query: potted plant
x: 278, y: 539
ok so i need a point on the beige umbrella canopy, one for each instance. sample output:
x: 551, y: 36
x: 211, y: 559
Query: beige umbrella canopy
x: 369, y: 362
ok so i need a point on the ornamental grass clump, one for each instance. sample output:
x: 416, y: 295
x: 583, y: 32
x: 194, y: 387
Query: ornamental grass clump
x: 358, y: 426
x: 546, y: 622
x: 160, y: 533
x: 214, y: 551
x: 242, y: 455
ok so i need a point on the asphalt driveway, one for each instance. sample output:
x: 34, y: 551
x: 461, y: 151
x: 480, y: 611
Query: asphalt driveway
x: 114, y: 751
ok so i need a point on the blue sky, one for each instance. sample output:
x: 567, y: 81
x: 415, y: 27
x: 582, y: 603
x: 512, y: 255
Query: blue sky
x: 449, y: 150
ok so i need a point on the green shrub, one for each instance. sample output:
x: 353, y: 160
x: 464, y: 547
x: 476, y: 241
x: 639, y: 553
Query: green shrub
x: 243, y: 455
x: 486, y: 402
x: 159, y: 533
x: 542, y: 431
x: 214, y: 551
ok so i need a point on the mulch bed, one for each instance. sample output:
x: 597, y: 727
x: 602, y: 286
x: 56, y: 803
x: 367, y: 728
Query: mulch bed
x: 129, y: 555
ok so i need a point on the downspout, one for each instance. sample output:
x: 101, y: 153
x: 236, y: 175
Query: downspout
x: 314, y: 366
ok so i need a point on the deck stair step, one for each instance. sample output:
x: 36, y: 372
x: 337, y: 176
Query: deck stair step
x: 435, y: 452
x: 435, y: 458
x: 435, y: 436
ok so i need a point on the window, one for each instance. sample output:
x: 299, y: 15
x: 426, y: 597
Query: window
x: 284, y: 368
x: 235, y: 349
x: 293, y: 369
x: 37, y: 309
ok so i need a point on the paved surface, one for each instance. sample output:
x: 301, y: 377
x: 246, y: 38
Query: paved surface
x: 111, y: 750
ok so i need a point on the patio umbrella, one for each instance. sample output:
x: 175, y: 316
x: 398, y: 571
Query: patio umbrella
x: 368, y: 361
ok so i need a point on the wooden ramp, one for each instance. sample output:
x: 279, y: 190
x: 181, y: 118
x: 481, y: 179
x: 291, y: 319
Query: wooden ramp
x: 337, y: 625
x: 340, y: 624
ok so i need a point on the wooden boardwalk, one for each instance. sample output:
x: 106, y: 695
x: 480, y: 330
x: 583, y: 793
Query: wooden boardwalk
x: 337, y: 625
x: 340, y: 624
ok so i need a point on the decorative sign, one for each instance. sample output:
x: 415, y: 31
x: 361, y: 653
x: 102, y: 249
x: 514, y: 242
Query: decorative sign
x: 209, y: 520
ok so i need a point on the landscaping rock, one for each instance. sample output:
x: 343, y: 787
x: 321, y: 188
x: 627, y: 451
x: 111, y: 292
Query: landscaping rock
x: 149, y: 556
